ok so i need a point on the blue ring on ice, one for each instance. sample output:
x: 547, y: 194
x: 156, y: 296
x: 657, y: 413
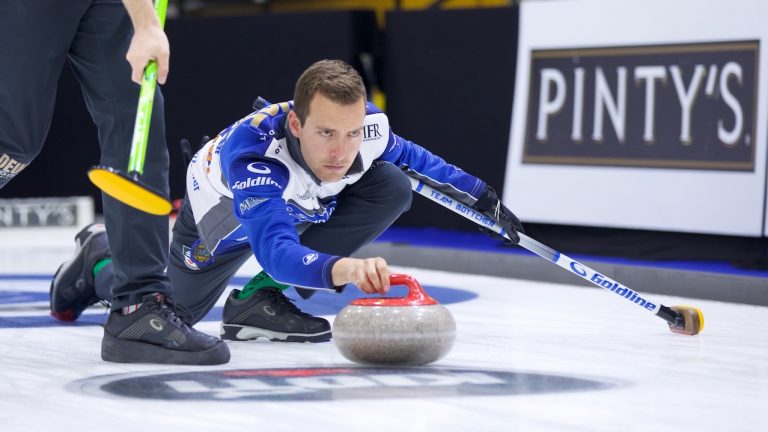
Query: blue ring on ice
x: 323, y: 303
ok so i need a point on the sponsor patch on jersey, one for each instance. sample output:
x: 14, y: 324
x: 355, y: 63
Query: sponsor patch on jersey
x: 309, y: 258
x: 196, y: 256
x: 249, y: 203
x: 255, y: 181
x: 302, y: 214
x: 371, y: 132
x: 258, y: 168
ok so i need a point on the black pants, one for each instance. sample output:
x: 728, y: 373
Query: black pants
x: 37, y: 37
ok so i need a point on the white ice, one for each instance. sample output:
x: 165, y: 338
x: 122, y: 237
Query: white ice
x: 660, y: 381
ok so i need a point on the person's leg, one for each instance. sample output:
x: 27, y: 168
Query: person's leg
x: 144, y: 326
x: 198, y: 280
x: 36, y: 36
x: 138, y: 241
x: 42, y: 34
x: 364, y: 210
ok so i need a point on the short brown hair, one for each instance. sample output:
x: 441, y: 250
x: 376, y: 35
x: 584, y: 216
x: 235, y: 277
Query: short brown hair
x: 335, y: 79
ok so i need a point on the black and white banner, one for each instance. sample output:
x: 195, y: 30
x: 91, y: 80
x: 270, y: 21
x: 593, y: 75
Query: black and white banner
x: 647, y: 115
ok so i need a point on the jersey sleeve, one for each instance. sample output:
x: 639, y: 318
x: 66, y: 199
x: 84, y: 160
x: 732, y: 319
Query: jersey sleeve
x: 433, y: 170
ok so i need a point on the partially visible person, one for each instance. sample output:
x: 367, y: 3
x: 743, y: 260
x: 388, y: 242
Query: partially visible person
x: 107, y: 43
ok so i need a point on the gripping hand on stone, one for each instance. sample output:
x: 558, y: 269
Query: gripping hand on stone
x: 371, y: 275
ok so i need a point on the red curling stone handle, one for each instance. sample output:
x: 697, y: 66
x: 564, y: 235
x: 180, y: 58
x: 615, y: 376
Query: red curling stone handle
x: 416, y: 295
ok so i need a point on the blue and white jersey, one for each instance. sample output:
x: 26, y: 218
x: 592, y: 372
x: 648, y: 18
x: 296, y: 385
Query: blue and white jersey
x: 250, y: 187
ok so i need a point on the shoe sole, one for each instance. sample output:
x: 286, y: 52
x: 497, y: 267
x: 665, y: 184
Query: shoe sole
x: 243, y: 333
x: 128, y: 351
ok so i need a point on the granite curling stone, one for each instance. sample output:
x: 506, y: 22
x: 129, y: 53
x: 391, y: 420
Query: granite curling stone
x: 403, y: 331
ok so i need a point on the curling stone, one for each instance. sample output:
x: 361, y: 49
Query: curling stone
x: 404, y: 331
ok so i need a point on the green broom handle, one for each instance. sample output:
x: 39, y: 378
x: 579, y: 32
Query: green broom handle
x: 146, y: 99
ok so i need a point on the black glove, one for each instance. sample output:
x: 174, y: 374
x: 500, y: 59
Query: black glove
x: 491, y: 205
x: 187, y: 152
